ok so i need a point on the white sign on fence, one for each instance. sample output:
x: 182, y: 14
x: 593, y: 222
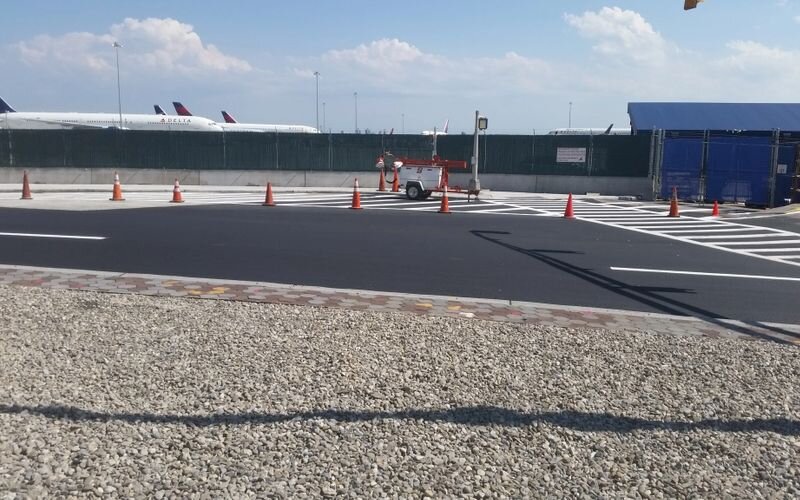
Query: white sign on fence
x: 782, y: 168
x: 571, y: 155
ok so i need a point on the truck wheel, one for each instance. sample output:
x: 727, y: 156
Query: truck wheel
x: 413, y: 192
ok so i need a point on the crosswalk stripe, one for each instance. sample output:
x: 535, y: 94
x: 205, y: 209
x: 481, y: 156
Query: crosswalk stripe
x: 776, y: 250
x: 764, y: 242
x: 731, y: 236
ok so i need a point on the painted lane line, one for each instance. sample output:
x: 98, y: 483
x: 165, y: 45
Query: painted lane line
x: 715, y: 230
x: 58, y: 236
x: 514, y: 205
x: 733, y: 236
x: 657, y: 219
x: 714, y: 245
x: 697, y: 273
x: 668, y: 227
x: 743, y: 243
x: 776, y: 250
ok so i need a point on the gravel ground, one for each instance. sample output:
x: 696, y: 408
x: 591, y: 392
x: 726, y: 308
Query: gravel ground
x: 122, y: 395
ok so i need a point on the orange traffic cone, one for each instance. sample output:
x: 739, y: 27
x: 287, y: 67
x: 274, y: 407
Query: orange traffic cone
x: 26, y: 187
x: 395, y: 182
x: 569, y: 212
x: 382, y: 182
x: 116, y: 195
x: 715, y: 210
x: 356, y: 196
x: 673, y: 204
x: 269, y: 202
x: 444, y: 208
x: 177, y: 197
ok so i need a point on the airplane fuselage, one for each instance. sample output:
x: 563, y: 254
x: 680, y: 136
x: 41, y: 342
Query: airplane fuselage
x: 56, y: 121
x: 265, y: 127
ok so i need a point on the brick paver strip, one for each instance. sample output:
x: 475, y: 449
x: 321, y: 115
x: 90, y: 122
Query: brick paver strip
x: 487, y: 309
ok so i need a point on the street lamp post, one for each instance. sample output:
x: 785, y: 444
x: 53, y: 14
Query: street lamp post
x: 316, y: 77
x: 117, y: 46
x: 355, y: 98
x: 570, y: 115
x: 324, y: 128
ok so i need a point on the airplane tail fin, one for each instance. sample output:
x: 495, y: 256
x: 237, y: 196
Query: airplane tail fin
x: 5, y: 108
x: 158, y: 109
x: 228, y: 117
x: 446, y: 124
x: 608, y: 130
x: 181, y: 109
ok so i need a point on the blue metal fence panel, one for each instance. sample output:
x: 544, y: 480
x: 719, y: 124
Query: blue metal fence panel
x: 681, y: 167
x: 738, y: 169
x: 786, y: 168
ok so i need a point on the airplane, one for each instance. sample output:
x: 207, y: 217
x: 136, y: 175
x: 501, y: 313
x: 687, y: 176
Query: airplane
x: 437, y: 132
x: 158, y: 109
x: 610, y: 130
x: 12, y: 119
x: 231, y: 125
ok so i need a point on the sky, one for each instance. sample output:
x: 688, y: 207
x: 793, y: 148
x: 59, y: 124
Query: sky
x: 413, y: 65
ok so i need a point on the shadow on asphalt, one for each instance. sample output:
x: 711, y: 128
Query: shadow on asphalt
x: 471, y: 415
x: 643, y: 295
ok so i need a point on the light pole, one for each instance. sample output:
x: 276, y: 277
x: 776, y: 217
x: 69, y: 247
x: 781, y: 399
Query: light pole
x: 570, y: 116
x: 324, y: 128
x: 355, y: 98
x: 117, y: 46
x: 316, y: 77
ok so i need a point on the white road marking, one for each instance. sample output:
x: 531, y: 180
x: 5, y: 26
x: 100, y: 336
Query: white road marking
x: 697, y: 273
x: 768, y: 242
x: 717, y: 229
x: 60, y: 236
x: 732, y: 236
x: 776, y: 250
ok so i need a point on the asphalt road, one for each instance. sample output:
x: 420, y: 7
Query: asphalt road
x: 540, y: 259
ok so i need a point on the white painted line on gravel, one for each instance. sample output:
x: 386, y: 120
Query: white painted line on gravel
x: 697, y: 273
x: 59, y: 236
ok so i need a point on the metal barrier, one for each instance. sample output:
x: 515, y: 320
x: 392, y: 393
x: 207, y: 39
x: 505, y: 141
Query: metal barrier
x: 612, y: 156
x: 751, y: 168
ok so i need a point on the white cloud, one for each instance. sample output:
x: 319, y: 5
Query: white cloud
x: 621, y: 33
x: 398, y: 66
x: 383, y: 54
x: 149, y: 44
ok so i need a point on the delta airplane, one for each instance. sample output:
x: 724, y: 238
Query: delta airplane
x: 438, y: 132
x: 611, y: 130
x: 159, y: 110
x: 231, y: 125
x: 12, y: 119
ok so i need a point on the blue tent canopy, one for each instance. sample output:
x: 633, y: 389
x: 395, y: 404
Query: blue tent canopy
x: 685, y: 116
